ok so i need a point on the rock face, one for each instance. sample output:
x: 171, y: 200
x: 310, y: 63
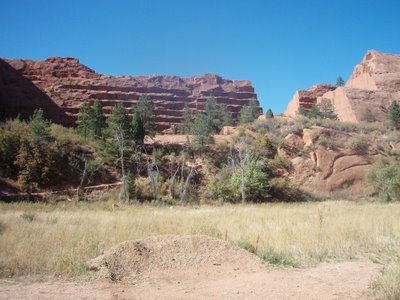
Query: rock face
x: 374, y: 84
x: 61, y: 85
x: 329, y: 169
x: 307, y: 98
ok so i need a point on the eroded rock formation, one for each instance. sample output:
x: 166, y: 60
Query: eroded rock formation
x: 60, y: 85
x: 329, y: 168
x: 307, y: 98
x: 374, y: 84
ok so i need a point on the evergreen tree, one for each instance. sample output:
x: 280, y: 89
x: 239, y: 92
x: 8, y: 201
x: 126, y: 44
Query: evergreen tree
x: 202, y: 131
x: 97, y: 119
x: 138, y: 132
x: 269, y: 114
x: 340, y: 81
x: 188, y: 119
x: 83, y: 120
x: 315, y: 112
x: 327, y: 110
x: 394, y: 114
x: 226, y: 117
x: 249, y: 113
x: 146, y: 110
x: 302, y: 111
x: 217, y: 116
x: 40, y: 127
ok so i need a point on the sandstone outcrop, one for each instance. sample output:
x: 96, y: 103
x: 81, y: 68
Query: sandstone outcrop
x: 317, y: 167
x: 374, y: 84
x: 61, y: 85
x: 307, y: 98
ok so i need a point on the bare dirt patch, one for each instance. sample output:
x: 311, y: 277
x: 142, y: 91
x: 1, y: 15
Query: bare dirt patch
x: 200, y: 267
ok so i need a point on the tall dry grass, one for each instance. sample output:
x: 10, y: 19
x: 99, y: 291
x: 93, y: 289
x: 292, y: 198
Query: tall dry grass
x: 59, y: 239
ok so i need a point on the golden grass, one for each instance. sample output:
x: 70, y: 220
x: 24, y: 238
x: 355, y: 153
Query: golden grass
x: 59, y: 239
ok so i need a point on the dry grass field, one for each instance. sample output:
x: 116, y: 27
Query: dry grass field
x: 58, y: 239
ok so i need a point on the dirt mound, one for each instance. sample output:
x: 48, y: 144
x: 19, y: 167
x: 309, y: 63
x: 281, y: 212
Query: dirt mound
x: 131, y: 260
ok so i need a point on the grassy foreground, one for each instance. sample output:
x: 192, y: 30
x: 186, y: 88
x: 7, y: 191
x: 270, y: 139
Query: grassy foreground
x: 49, y: 239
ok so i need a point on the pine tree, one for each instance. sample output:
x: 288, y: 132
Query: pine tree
x: 97, y: 119
x: 315, y: 112
x: 249, y: 113
x: 340, y: 81
x: 394, y: 114
x: 83, y: 120
x: 188, y: 119
x: 216, y: 116
x: 327, y: 110
x: 138, y: 132
x: 202, y: 131
x: 40, y: 127
x: 302, y: 111
x: 269, y: 114
x: 146, y: 110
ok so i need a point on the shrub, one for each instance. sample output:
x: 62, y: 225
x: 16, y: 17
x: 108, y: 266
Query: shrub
x: 387, y: 286
x: 282, y: 189
x: 247, y: 246
x: 357, y: 143
x: 277, y: 258
x: 385, y: 178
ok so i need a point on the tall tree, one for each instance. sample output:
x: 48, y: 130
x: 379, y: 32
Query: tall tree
x: 39, y: 126
x: 138, y: 132
x: 394, y: 114
x: 118, y: 127
x: 202, y: 131
x: 340, y: 81
x: 269, y: 114
x: 83, y: 120
x: 249, y: 113
x: 217, y: 116
x: 97, y: 119
x: 188, y: 119
x: 146, y: 110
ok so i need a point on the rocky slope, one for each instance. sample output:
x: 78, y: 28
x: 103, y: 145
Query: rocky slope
x: 322, y: 161
x: 374, y: 84
x: 60, y: 85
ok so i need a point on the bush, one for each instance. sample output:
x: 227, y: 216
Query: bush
x: 385, y: 178
x: 278, y: 258
x: 357, y: 143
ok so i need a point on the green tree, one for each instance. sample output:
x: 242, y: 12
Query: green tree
x: 40, y: 127
x: 269, y: 114
x: 202, y: 131
x: 385, y: 178
x: 340, y: 81
x: 302, y: 111
x: 188, y: 119
x: 83, y: 120
x: 145, y: 108
x: 97, y: 120
x: 249, y: 112
x: 394, y: 114
x: 327, y: 110
x: 217, y: 116
x: 138, y: 132
x: 118, y: 129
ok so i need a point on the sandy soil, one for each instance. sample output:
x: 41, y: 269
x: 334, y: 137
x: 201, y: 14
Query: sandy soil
x: 344, y: 280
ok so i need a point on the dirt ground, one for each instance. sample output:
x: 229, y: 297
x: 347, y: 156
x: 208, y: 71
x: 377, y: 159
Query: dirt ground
x: 343, y: 280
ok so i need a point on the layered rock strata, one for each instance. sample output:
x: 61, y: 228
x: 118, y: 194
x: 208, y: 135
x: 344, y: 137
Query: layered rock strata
x: 374, y: 84
x: 61, y: 85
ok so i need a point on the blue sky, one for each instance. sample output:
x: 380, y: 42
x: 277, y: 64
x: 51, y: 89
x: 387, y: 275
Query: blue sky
x: 281, y: 46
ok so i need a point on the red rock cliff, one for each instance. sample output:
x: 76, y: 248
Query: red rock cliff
x: 60, y: 85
